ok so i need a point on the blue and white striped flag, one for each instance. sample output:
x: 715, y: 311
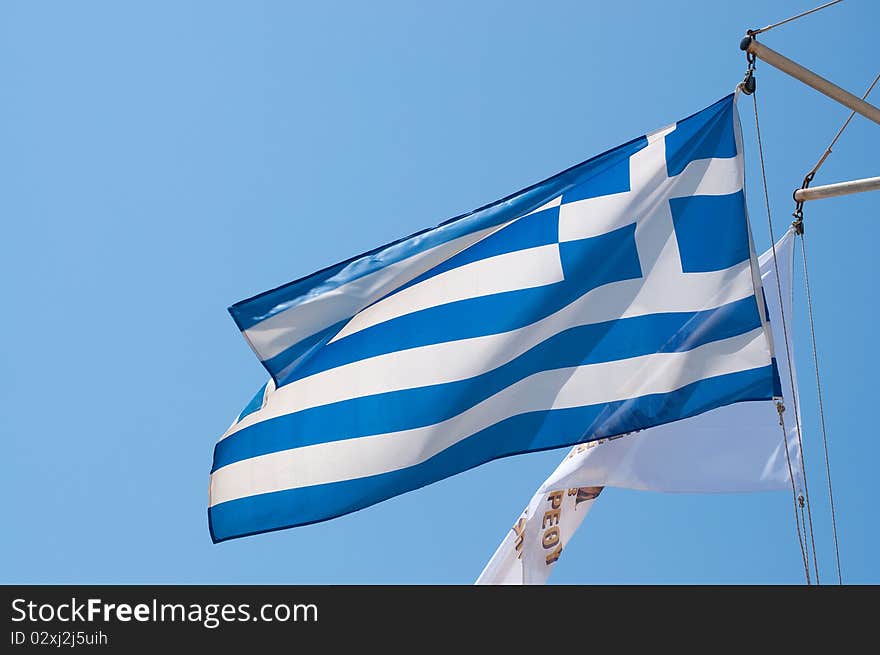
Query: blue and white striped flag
x: 619, y: 294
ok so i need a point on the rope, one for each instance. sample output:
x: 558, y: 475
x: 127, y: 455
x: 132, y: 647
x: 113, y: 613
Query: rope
x: 799, y: 228
x: 780, y: 408
x: 784, y: 330
x: 821, y: 409
x: 798, y: 224
x: 809, y: 176
x: 803, y: 520
x: 807, y: 494
x: 788, y: 20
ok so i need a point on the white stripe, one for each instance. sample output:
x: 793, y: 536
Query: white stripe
x: 557, y: 389
x: 591, y: 217
x: 324, y: 308
x: 458, y: 360
x: 522, y: 269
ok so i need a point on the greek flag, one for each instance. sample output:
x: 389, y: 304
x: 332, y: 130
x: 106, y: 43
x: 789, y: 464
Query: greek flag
x: 620, y: 294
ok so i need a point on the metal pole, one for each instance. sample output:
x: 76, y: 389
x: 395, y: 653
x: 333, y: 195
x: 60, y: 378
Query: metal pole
x: 810, y: 78
x: 839, y: 189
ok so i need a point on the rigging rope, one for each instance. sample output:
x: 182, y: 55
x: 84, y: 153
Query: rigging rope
x: 809, y: 176
x: 748, y: 86
x: 821, y: 409
x: 798, y: 225
x: 803, y: 520
x: 797, y: 521
x: 788, y: 20
x: 785, y: 337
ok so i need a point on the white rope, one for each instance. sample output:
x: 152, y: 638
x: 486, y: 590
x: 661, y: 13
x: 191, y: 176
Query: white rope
x: 788, y: 20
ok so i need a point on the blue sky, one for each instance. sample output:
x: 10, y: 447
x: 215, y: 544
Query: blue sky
x: 163, y: 160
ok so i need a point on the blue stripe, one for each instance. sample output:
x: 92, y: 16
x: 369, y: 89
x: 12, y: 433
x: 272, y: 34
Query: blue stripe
x: 421, y: 406
x: 777, y: 382
x: 613, y: 179
x: 538, y: 229
x: 524, y: 433
x: 248, y: 313
x: 704, y: 135
x: 588, y: 263
x: 255, y: 403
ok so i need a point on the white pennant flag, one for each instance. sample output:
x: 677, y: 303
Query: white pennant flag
x: 736, y: 448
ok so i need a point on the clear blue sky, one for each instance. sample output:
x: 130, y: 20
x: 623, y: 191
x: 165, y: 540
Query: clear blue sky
x: 162, y: 160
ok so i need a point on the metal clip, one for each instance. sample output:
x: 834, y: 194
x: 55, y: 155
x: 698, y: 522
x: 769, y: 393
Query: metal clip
x: 798, y: 222
x: 748, y: 84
